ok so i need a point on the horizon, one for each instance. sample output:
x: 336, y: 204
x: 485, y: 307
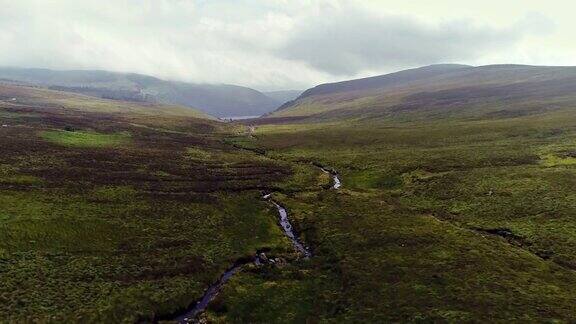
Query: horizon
x: 282, y: 90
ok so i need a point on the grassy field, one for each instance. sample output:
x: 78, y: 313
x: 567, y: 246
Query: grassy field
x: 118, y: 217
x: 85, y: 139
x: 124, y: 215
x: 451, y: 220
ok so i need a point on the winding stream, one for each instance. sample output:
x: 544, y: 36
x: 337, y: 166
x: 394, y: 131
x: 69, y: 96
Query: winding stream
x: 190, y: 316
x: 289, y: 230
x: 211, y: 293
x: 336, y: 181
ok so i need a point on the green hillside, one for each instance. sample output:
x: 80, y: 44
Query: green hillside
x: 219, y: 100
x: 440, y: 91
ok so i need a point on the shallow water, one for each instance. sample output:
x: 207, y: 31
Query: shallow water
x: 337, y: 184
x: 209, y: 295
x: 289, y: 230
x: 200, y: 307
x: 238, y: 117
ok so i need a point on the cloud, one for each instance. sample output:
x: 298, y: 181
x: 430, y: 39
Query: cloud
x: 351, y: 40
x: 269, y: 44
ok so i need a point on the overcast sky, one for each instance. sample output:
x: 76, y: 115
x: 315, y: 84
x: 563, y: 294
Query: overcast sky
x: 282, y: 44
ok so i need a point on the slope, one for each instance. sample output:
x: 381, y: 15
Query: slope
x: 284, y: 96
x: 440, y: 92
x: 216, y: 100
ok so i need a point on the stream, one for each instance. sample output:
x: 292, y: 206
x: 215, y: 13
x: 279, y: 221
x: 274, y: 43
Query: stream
x: 289, y: 230
x: 337, y: 184
x: 191, y: 314
x: 213, y: 291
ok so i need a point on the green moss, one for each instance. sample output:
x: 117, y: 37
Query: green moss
x: 85, y: 139
x: 197, y: 153
x: 551, y: 160
x: 117, y: 194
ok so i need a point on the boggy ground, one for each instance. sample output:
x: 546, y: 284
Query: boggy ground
x: 446, y: 220
x: 115, y: 212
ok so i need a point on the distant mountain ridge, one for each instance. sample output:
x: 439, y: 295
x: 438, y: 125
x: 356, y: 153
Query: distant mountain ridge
x: 216, y: 100
x: 440, y: 91
x: 386, y: 80
x: 284, y: 95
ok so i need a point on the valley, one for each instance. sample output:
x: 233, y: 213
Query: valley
x: 444, y: 211
x: 287, y: 162
x: 437, y: 221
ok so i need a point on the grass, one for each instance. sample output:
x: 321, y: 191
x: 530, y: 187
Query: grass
x: 438, y: 220
x: 85, y: 139
x: 407, y: 239
x: 125, y: 218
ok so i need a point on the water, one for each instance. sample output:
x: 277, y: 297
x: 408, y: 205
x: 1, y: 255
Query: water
x: 337, y: 184
x: 289, y: 231
x: 213, y: 291
x: 238, y: 117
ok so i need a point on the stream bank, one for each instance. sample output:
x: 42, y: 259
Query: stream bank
x: 192, y: 313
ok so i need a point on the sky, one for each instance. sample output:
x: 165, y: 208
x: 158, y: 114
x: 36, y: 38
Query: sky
x: 282, y: 44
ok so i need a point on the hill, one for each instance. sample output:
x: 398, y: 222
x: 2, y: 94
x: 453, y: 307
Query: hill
x: 440, y: 91
x: 17, y: 96
x: 284, y: 95
x: 216, y: 100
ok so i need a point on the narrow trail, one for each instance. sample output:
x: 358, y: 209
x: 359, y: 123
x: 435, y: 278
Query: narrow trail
x: 194, y: 311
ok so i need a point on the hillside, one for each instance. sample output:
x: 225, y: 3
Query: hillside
x: 440, y: 91
x: 284, y: 96
x: 216, y: 100
x: 18, y: 96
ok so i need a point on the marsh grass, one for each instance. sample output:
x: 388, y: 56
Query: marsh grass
x: 407, y: 238
x: 85, y: 139
x: 126, y: 216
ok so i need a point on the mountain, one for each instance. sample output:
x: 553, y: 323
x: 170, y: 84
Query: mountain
x: 216, y: 100
x: 439, y: 91
x: 25, y: 97
x: 284, y: 96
